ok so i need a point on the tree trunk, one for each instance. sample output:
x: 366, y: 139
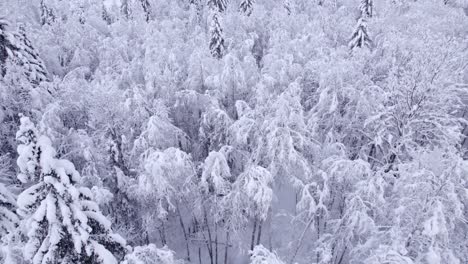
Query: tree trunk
x: 209, y: 244
x: 199, y: 255
x: 183, y: 229
x: 226, y: 248
x: 253, y: 234
x: 216, y: 243
x: 259, y: 232
x: 301, y: 239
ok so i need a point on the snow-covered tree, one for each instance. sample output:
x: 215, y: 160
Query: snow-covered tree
x: 16, y: 47
x: 253, y: 193
x: 216, y: 175
x: 8, y: 216
x: 218, y: 5
x: 214, y: 129
x: 282, y: 138
x: 287, y: 140
x: 360, y: 37
x: 145, y: 4
x: 64, y: 224
x: 246, y: 6
x: 217, y: 46
x: 161, y: 187
x: 261, y: 255
x: 47, y: 13
x: 366, y: 8
x: 150, y: 254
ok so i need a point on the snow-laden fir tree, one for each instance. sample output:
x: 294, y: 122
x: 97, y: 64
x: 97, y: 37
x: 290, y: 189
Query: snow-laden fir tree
x: 64, y: 225
x: 8, y: 217
x: 246, y: 6
x: 217, y: 46
x: 288, y: 6
x: 47, y: 13
x: 366, y: 8
x: 360, y: 36
x: 145, y: 4
x: 16, y: 47
x: 218, y: 5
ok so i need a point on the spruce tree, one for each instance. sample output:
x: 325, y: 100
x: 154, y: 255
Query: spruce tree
x: 47, y: 14
x: 218, y: 5
x: 217, y: 46
x: 33, y: 65
x: 360, y: 37
x: 16, y: 46
x: 287, y: 6
x: 246, y: 7
x: 146, y: 8
x: 5, y: 46
x: 366, y: 8
x: 64, y: 224
x: 8, y: 216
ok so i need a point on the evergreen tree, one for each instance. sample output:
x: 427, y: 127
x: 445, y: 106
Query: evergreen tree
x: 246, y: 6
x: 360, y: 37
x: 217, y: 46
x: 146, y: 8
x: 47, y: 13
x: 8, y: 217
x: 64, y: 224
x: 287, y: 6
x: 366, y: 8
x: 218, y: 5
x: 16, y: 47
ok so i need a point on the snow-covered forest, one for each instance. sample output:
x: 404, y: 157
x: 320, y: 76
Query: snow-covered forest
x: 233, y: 131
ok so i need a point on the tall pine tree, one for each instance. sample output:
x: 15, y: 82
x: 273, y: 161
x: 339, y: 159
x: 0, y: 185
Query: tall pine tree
x: 246, y: 6
x: 360, y: 36
x: 218, y: 5
x: 8, y: 216
x: 217, y: 46
x: 64, y: 224
x: 366, y: 8
x: 16, y: 47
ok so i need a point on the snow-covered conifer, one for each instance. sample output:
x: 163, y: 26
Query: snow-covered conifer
x: 16, y: 47
x: 218, y: 5
x: 145, y: 4
x: 47, y: 13
x: 64, y: 224
x: 246, y: 6
x: 366, y: 8
x: 8, y: 217
x: 360, y: 37
x: 217, y: 46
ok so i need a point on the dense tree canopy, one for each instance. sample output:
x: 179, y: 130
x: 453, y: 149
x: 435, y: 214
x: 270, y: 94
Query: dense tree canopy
x: 240, y: 131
